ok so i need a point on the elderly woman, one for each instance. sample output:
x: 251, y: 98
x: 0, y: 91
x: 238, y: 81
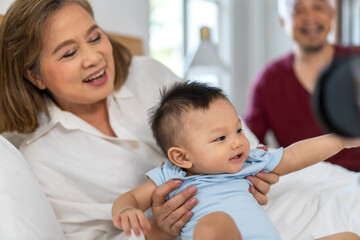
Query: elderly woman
x: 82, y: 99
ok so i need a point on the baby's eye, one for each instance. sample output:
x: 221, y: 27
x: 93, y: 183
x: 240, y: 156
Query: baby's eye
x: 220, y: 138
x: 239, y: 130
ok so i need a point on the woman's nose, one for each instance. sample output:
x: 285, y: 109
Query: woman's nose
x: 91, y: 57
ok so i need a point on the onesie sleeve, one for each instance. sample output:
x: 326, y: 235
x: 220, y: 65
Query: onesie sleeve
x: 156, y: 175
x: 260, y: 160
x: 274, y: 159
x: 168, y: 171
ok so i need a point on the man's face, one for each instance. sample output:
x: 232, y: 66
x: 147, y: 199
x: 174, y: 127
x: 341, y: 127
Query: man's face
x: 308, y: 23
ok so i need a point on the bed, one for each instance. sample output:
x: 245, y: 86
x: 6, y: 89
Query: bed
x: 320, y: 200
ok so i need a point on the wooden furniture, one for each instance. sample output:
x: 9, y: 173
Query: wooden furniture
x: 134, y: 44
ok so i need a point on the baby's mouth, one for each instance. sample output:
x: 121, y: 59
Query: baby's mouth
x: 236, y: 156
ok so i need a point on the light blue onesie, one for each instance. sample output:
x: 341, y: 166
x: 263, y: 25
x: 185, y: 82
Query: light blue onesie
x: 228, y: 193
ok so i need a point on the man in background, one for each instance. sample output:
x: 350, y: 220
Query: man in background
x: 280, y: 97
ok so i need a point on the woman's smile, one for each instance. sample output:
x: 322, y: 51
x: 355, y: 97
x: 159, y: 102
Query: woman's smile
x: 97, y: 79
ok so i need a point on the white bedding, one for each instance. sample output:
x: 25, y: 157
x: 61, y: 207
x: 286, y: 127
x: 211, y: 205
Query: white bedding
x: 319, y: 200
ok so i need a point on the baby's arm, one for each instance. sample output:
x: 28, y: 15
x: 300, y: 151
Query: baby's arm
x: 127, y: 210
x: 310, y: 151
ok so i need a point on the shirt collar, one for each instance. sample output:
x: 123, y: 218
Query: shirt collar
x: 58, y: 116
x: 123, y: 93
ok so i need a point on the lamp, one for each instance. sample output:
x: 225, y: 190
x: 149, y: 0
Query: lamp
x: 205, y: 64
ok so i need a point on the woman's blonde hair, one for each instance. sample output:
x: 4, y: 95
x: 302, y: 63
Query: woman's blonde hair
x: 20, y: 48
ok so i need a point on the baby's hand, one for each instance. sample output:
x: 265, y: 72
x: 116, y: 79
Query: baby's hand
x: 132, y: 218
x: 351, y: 142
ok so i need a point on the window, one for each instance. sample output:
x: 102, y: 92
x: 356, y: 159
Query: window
x: 166, y: 33
x: 175, y: 32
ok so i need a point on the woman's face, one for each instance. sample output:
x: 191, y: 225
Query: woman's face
x: 76, y: 62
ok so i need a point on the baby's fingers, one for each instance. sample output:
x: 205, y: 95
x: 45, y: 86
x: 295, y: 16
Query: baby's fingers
x: 125, y: 225
x: 117, y: 222
x: 144, y: 224
x: 135, y: 224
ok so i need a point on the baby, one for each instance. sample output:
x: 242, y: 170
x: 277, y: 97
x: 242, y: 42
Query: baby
x: 199, y: 130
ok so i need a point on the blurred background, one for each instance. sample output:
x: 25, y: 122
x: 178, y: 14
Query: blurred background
x: 224, y: 42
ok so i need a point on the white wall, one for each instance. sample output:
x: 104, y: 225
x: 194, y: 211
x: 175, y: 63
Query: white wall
x: 129, y: 17
x: 258, y: 38
x: 4, y: 5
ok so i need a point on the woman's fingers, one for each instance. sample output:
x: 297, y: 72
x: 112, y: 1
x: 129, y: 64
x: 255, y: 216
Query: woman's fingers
x: 177, y: 202
x: 172, y: 215
x: 261, y: 185
x: 260, y: 198
x: 159, y: 196
x: 262, y: 146
x: 268, y: 177
x: 184, y: 217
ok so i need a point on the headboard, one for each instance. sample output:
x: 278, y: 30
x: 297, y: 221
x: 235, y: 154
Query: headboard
x: 134, y: 44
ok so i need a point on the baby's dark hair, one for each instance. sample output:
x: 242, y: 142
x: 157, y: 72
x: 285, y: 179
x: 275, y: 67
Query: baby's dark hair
x: 167, y: 117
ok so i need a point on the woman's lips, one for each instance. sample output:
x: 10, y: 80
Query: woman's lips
x: 97, y: 79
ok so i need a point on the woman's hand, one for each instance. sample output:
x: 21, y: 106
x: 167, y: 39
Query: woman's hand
x: 172, y: 215
x: 262, y: 182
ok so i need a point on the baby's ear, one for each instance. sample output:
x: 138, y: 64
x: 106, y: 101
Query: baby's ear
x: 179, y: 157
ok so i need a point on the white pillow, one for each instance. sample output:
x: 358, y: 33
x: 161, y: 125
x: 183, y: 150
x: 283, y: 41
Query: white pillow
x: 25, y: 211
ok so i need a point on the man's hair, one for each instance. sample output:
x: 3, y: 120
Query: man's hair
x: 167, y: 117
x: 284, y: 7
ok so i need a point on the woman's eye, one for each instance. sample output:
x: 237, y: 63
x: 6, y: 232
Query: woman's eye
x: 239, y: 130
x: 95, y: 39
x: 220, y: 138
x: 69, y: 54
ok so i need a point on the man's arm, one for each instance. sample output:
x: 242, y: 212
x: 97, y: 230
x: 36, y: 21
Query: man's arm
x: 310, y: 151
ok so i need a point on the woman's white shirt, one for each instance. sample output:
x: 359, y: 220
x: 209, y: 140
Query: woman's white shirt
x: 81, y: 170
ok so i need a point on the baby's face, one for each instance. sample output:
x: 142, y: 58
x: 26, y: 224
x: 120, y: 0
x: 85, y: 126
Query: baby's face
x: 215, y: 141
